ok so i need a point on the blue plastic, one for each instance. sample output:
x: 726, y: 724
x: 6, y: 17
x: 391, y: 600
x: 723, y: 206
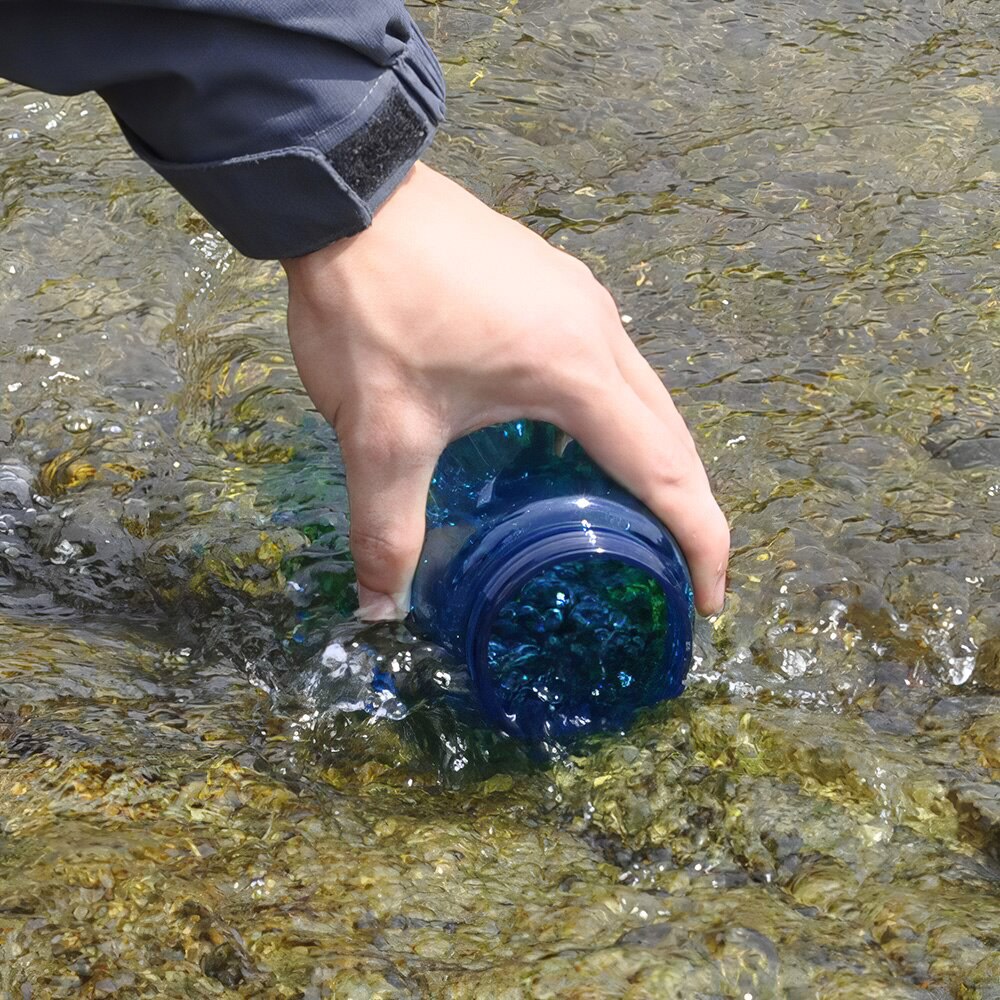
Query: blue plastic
x: 568, y: 600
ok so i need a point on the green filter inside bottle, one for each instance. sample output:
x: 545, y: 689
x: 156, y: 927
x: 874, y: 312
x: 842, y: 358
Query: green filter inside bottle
x: 578, y: 644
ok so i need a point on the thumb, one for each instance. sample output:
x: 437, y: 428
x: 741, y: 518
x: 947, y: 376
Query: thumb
x: 388, y: 477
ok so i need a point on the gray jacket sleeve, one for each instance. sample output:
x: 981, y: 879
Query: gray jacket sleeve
x: 285, y: 122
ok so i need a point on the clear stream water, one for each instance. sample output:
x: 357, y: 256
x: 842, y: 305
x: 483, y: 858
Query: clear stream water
x: 207, y: 788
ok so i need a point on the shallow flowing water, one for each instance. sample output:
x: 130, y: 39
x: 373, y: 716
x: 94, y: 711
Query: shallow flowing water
x: 209, y: 786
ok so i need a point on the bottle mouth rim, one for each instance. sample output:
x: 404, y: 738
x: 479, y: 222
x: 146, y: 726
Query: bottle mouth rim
x: 534, y: 556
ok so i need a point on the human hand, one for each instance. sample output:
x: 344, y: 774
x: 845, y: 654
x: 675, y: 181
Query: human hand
x: 444, y: 317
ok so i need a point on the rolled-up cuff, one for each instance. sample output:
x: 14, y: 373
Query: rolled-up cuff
x: 291, y: 201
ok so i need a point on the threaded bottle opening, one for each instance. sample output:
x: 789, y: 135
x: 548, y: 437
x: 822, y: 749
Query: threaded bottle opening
x: 575, y: 639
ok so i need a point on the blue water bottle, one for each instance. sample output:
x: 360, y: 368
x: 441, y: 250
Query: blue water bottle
x: 570, y: 603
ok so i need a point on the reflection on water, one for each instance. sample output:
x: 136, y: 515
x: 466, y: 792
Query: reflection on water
x: 215, y: 784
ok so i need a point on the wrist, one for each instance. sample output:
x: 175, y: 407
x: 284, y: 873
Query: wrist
x: 335, y: 262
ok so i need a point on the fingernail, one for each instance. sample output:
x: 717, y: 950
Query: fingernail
x: 374, y: 607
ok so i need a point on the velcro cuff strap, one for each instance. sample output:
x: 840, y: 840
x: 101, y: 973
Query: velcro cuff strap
x: 393, y: 136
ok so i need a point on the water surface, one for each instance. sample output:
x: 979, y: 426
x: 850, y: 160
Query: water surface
x: 206, y: 789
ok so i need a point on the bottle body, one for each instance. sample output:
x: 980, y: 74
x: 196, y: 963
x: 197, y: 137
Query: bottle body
x: 568, y: 600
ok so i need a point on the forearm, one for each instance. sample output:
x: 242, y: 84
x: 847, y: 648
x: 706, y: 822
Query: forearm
x: 286, y: 125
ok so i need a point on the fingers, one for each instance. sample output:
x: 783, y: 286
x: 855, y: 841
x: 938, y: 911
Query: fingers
x: 646, y: 446
x: 388, y: 476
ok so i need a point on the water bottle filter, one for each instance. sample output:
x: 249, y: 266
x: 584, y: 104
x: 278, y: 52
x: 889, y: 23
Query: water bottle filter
x: 568, y: 600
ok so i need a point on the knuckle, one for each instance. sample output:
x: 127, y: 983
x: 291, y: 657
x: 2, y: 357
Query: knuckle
x: 594, y: 296
x: 575, y: 267
x: 666, y: 481
x: 604, y: 301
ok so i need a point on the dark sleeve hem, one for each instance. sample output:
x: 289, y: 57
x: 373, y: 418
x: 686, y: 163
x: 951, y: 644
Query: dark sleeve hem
x: 292, y: 201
